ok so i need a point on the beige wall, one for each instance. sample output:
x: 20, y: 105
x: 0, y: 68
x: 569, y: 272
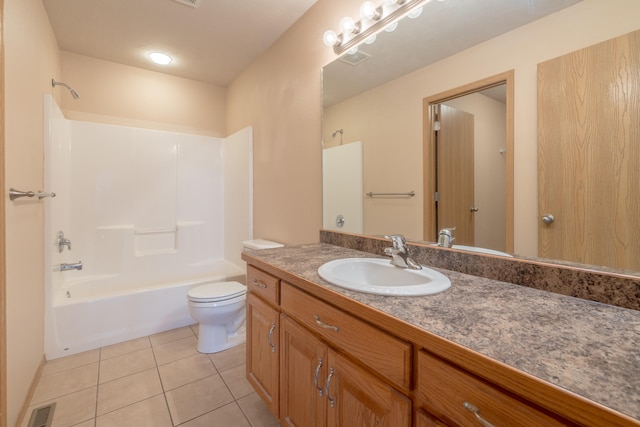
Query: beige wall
x: 31, y: 60
x: 118, y: 94
x: 280, y: 95
x: 579, y: 26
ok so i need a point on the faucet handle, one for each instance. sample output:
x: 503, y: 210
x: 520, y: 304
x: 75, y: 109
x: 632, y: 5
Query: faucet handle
x: 398, y: 240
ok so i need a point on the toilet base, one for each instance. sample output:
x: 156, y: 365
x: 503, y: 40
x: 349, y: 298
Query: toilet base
x: 215, y: 342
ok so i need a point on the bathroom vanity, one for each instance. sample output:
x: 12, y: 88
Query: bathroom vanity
x: 483, y: 352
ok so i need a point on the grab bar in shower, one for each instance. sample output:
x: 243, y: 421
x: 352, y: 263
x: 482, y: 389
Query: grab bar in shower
x: 407, y: 194
x: 16, y: 194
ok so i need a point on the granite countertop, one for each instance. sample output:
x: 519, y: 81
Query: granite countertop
x: 588, y: 348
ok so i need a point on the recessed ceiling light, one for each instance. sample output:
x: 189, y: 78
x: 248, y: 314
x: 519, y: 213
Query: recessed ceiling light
x: 160, y: 58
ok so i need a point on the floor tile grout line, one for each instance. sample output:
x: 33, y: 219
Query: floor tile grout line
x: 128, y: 405
x: 164, y: 392
x: 95, y: 409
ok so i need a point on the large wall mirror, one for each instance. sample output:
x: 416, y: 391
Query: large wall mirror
x: 377, y: 107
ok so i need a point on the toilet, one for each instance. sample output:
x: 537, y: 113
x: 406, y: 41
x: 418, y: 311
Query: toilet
x: 219, y: 309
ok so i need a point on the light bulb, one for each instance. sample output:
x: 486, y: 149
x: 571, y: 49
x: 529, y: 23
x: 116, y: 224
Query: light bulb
x: 415, y: 12
x: 348, y: 25
x: 330, y: 38
x: 352, y: 51
x: 391, y: 27
x: 368, y: 10
x: 370, y: 40
x: 160, y: 58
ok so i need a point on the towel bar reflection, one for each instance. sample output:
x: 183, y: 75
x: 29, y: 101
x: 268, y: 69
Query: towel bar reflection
x: 408, y: 194
x: 16, y: 194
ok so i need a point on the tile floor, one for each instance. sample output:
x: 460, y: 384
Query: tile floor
x: 159, y: 380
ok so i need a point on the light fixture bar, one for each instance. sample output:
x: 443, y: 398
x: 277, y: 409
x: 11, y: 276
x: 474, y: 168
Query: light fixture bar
x: 376, y: 26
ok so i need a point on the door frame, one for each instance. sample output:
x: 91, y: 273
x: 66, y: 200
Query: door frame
x: 429, y: 149
x: 3, y: 246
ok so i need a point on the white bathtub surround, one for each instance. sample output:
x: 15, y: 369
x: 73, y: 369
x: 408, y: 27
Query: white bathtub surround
x: 149, y: 215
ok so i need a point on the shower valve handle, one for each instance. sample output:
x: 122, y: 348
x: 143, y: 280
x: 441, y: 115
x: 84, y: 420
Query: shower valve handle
x: 62, y: 242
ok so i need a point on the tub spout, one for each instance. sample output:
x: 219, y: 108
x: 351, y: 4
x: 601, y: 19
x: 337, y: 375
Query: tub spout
x: 72, y: 266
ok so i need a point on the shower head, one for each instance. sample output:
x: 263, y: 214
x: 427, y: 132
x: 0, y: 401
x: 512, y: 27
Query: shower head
x: 74, y: 94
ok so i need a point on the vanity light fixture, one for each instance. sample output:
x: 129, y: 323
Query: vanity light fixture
x: 372, y: 20
x: 160, y: 58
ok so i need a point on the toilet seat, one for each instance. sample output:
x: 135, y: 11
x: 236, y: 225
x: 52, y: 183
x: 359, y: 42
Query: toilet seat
x: 218, y: 291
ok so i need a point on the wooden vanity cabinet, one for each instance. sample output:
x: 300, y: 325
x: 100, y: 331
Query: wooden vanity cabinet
x: 263, y: 331
x: 303, y: 364
x: 320, y: 384
x: 315, y: 364
x: 321, y: 387
x: 459, y: 398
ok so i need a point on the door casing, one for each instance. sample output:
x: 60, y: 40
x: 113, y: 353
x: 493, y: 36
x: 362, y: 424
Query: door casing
x: 429, y: 150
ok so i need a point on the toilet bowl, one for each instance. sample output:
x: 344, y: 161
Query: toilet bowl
x: 219, y: 309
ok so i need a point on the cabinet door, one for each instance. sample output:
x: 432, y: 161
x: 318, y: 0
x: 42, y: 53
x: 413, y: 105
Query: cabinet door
x: 356, y: 398
x: 302, y: 375
x: 262, y: 350
x: 423, y: 419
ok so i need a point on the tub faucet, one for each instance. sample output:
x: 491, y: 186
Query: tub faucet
x: 72, y: 266
x: 399, y: 253
x: 445, y: 237
x: 63, y: 241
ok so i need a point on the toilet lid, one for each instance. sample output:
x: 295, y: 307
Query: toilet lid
x: 217, y: 291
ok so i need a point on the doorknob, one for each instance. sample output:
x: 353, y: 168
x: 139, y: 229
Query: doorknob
x: 548, y: 218
x: 473, y: 209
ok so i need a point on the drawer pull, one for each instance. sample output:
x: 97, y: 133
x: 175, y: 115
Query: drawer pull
x: 476, y: 412
x: 316, y: 377
x: 259, y: 283
x: 331, y: 400
x: 270, y: 337
x: 324, y: 325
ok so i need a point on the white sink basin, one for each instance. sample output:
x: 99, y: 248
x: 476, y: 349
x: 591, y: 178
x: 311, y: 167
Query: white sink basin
x: 378, y: 276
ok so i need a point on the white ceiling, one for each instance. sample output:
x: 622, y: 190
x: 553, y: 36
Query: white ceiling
x: 212, y: 43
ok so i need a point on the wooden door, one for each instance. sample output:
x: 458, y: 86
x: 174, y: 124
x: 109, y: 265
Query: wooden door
x: 589, y: 154
x: 454, y: 169
x: 263, y: 350
x: 303, y: 372
x: 362, y: 400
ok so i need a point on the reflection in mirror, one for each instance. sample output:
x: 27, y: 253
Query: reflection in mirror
x: 378, y: 101
x: 466, y: 167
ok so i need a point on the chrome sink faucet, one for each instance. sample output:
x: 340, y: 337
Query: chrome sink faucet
x: 399, y: 253
x: 445, y: 237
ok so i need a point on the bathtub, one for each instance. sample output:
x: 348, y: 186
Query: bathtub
x: 100, y: 310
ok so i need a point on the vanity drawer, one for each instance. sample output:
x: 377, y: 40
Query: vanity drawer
x: 384, y: 354
x: 263, y: 284
x: 452, y: 394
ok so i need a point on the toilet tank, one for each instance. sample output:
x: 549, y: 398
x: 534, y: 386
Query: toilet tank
x: 260, y: 244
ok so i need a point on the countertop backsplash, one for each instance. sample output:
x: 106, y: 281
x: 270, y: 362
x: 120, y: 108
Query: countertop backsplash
x: 606, y: 287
